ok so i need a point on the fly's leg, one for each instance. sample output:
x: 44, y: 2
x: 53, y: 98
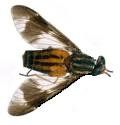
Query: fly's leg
x: 40, y: 77
x: 36, y: 75
x: 56, y: 80
x: 27, y: 74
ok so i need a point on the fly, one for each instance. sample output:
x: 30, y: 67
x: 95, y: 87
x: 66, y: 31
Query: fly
x: 58, y: 61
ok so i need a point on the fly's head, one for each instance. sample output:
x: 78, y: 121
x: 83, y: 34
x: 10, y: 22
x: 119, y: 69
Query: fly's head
x: 100, y: 67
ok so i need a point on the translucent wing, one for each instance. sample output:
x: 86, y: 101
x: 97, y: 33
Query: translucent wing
x: 35, y: 91
x: 37, y: 31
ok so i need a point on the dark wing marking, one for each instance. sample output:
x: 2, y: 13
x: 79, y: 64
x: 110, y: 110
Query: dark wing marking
x: 32, y: 93
x: 37, y: 31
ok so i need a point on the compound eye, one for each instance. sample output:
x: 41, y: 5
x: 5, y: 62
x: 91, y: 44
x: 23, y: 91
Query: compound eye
x: 100, y: 60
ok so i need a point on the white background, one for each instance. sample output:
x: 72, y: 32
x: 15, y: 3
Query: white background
x: 93, y: 25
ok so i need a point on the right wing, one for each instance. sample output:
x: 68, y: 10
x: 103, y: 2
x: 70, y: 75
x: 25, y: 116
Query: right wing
x: 34, y: 92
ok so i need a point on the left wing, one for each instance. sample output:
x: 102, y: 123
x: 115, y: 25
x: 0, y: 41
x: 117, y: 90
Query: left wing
x: 37, y: 31
x: 34, y: 92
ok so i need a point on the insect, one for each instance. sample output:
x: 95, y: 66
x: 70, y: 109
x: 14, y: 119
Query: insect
x: 57, y: 61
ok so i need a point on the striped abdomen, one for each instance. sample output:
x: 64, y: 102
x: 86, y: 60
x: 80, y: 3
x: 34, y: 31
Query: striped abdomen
x: 49, y: 61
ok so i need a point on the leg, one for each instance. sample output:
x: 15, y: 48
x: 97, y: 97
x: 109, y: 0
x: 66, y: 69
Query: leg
x: 56, y: 80
x: 26, y: 74
x: 38, y: 76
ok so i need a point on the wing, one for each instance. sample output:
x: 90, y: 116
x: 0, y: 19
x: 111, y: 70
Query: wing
x: 34, y: 92
x: 37, y: 31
